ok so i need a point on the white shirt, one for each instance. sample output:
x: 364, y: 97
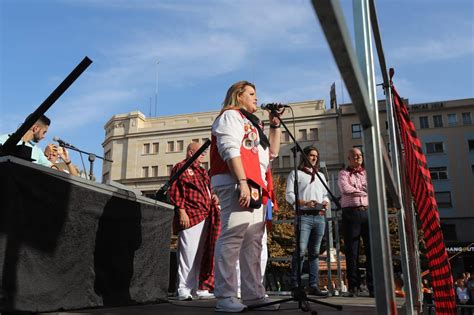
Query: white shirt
x: 463, y: 295
x: 36, y: 153
x: 306, y: 189
x: 229, y: 131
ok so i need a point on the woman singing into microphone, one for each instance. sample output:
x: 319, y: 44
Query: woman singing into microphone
x: 240, y: 157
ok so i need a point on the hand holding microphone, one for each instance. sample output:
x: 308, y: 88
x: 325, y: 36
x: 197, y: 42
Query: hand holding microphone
x: 276, y: 110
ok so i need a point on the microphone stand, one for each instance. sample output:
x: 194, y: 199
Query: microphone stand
x: 299, y: 294
x: 92, y: 157
x: 162, y: 193
x: 91, y: 169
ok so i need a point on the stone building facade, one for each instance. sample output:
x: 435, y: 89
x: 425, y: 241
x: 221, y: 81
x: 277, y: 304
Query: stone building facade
x: 145, y: 149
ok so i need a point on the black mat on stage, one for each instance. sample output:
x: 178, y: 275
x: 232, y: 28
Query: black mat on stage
x: 65, y: 245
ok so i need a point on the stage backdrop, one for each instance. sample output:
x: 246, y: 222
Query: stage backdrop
x: 67, y: 243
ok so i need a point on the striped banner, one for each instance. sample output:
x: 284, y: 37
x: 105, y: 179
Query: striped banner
x: 424, y: 197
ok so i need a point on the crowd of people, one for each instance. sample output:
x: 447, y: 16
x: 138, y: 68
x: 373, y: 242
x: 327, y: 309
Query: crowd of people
x: 464, y: 287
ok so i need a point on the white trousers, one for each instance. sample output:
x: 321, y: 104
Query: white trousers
x: 240, y: 239
x: 189, y: 253
x: 263, y: 259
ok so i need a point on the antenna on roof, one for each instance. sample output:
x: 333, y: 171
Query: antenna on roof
x: 156, y: 87
x: 149, y: 112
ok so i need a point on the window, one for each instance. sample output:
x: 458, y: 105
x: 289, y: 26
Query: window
x: 170, y: 146
x: 195, y: 140
x: 438, y: 121
x: 303, y: 134
x: 452, y: 119
x: 180, y: 145
x: 156, y: 147
x: 146, y: 148
x: 443, y: 198
x: 424, y: 122
x: 449, y: 231
x: 286, y: 161
x: 466, y: 119
x: 356, y: 131
x: 275, y: 163
x: 145, y: 171
x: 205, y: 165
x: 285, y: 137
x: 154, y: 171
x: 314, y: 134
x: 434, y: 147
x: 108, y: 155
x: 169, y: 168
x: 204, y: 140
x: 439, y: 172
x: 470, y: 144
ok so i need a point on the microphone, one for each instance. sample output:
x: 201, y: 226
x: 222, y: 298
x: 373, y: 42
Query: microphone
x: 273, y: 106
x: 62, y: 142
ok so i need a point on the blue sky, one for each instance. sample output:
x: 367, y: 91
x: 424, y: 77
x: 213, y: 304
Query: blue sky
x: 204, y: 46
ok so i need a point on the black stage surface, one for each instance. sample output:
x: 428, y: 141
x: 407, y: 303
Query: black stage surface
x: 68, y: 243
x: 357, y: 305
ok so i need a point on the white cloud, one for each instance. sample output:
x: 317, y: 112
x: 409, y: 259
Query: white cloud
x: 438, y: 49
x: 92, y: 107
x: 211, y: 39
x: 176, y: 6
x: 185, y: 58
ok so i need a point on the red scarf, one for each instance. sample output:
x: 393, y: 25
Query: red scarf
x: 356, y: 170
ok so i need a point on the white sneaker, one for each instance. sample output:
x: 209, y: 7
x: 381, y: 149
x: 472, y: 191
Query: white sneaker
x: 187, y: 297
x: 263, y: 300
x: 204, y: 295
x: 229, y: 305
x: 184, y: 295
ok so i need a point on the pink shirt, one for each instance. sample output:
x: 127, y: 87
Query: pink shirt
x: 353, y: 188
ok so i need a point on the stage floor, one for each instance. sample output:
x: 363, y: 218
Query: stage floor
x: 357, y: 305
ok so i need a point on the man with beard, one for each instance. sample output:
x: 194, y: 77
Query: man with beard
x: 34, y: 135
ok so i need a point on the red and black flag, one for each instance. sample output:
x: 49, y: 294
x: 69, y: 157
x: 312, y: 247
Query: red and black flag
x: 424, y: 197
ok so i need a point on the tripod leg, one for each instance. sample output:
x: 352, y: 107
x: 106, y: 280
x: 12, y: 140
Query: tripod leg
x: 304, y: 306
x: 337, y: 307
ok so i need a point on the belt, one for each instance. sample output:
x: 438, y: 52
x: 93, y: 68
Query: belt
x: 310, y: 212
x: 358, y: 208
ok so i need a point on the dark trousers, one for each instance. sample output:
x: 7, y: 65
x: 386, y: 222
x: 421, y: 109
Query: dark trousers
x: 356, y: 225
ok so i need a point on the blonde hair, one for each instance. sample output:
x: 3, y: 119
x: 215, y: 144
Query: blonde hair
x: 235, y: 90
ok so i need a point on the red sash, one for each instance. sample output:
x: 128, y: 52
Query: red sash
x: 250, y: 161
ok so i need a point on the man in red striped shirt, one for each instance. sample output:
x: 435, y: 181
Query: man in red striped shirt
x: 198, y: 225
x: 352, y: 183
